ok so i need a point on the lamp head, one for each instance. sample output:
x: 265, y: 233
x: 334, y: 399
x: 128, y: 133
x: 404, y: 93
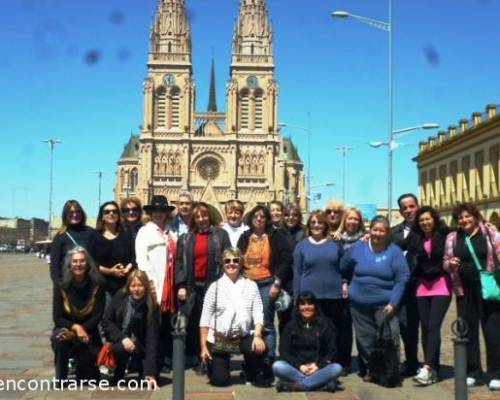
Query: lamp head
x: 430, y: 125
x: 377, y: 144
x: 340, y: 14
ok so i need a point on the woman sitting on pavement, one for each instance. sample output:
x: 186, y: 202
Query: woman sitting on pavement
x: 232, y: 310
x: 307, y: 349
x: 131, y: 324
x: 78, y: 306
x: 378, y: 273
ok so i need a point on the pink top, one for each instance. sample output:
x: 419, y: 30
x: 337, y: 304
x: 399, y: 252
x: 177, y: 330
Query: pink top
x: 438, y: 287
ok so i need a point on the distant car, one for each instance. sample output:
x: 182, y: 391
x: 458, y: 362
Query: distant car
x: 4, y: 248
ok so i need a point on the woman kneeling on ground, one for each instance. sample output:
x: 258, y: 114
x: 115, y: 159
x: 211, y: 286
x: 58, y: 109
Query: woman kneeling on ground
x: 232, y: 314
x: 307, y: 350
x: 131, y: 324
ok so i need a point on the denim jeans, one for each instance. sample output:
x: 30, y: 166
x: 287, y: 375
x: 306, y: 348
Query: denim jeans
x: 320, y: 378
x: 268, y: 305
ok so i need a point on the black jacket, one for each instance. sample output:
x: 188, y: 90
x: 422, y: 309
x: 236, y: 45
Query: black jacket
x: 422, y: 265
x: 218, y: 241
x: 303, y: 343
x: 281, y: 254
x: 146, y: 333
x: 79, y: 296
x: 84, y: 236
x: 397, y: 235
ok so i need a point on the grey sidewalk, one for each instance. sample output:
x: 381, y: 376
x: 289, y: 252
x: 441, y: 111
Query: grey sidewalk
x: 26, y: 323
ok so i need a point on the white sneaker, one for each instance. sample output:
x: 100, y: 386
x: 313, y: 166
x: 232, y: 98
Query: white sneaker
x: 471, y: 382
x: 426, y: 376
x: 494, y: 384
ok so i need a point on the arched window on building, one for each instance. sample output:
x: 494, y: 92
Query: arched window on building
x: 160, y: 107
x: 175, y: 99
x: 258, y: 108
x: 134, y: 179
x: 244, y: 109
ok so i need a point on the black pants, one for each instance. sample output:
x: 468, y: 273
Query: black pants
x: 408, y: 326
x: 84, y: 354
x: 475, y: 310
x: 219, y: 371
x: 193, y: 328
x: 432, y: 310
x: 165, y: 345
x: 340, y: 315
x: 122, y: 357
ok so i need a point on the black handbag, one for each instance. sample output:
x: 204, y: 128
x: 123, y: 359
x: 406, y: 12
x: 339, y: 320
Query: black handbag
x: 383, y: 364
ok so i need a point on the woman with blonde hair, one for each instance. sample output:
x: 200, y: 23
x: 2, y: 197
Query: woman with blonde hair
x: 334, y: 210
x: 351, y: 228
x: 131, y: 324
x: 233, y: 312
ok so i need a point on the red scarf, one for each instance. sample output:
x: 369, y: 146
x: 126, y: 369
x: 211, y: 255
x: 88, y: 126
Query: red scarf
x: 167, y: 304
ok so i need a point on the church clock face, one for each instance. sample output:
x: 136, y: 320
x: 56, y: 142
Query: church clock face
x: 169, y: 79
x: 209, y: 168
x: 252, y: 81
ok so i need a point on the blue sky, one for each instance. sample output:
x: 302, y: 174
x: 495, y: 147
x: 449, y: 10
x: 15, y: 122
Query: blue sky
x: 73, y: 70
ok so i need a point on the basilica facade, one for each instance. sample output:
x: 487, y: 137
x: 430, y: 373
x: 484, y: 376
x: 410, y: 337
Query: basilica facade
x: 217, y: 156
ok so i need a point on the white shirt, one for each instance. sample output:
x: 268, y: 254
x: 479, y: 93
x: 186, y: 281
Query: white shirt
x: 234, y: 233
x: 238, y: 307
x: 151, y: 254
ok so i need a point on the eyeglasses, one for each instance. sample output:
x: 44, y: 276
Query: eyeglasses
x: 130, y: 210
x: 235, y: 260
x: 113, y: 211
x: 77, y: 212
x: 261, y: 216
x: 333, y: 211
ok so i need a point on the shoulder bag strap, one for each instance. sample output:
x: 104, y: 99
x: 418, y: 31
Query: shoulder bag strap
x: 473, y: 253
x: 71, y: 238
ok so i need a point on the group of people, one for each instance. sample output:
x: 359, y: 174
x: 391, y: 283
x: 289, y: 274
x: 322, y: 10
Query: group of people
x: 326, y: 281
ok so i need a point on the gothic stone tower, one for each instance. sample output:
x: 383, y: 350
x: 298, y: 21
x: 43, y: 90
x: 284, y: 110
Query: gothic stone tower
x: 215, y: 155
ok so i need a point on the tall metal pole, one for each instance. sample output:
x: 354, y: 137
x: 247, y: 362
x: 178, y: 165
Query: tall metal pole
x: 308, y: 191
x: 99, y: 175
x: 51, y: 143
x: 344, y: 150
x: 391, y: 114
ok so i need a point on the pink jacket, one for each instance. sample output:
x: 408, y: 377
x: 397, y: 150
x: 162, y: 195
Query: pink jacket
x: 449, y: 249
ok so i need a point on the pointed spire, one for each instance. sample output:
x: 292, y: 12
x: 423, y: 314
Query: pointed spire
x: 171, y: 33
x: 253, y: 35
x: 212, y: 99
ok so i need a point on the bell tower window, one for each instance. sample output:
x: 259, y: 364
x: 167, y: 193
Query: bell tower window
x: 175, y: 95
x: 160, y: 107
x: 244, y: 109
x: 258, y: 109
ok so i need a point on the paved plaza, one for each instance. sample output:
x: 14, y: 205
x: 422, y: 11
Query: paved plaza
x: 25, y: 327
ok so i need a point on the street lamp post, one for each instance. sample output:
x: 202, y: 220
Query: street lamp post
x: 391, y: 146
x: 385, y: 26
x: 308, y: 180
x: 99, y: 177
x: 344, y: 150
x: 51, y: 143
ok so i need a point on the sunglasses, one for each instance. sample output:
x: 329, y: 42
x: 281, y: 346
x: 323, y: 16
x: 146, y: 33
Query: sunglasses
x: 75, y: 212
x: 333, y: 211
x: 113, y: 211
x: 130, y: 210
x: 235, y: 260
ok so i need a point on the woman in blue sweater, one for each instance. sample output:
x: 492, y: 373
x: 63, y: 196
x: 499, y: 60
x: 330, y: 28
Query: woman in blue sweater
x: 316, y: 268
x: 378, y: 273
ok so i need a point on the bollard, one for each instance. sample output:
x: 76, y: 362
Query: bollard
x: 460, y: 329
x: 179, y: 324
